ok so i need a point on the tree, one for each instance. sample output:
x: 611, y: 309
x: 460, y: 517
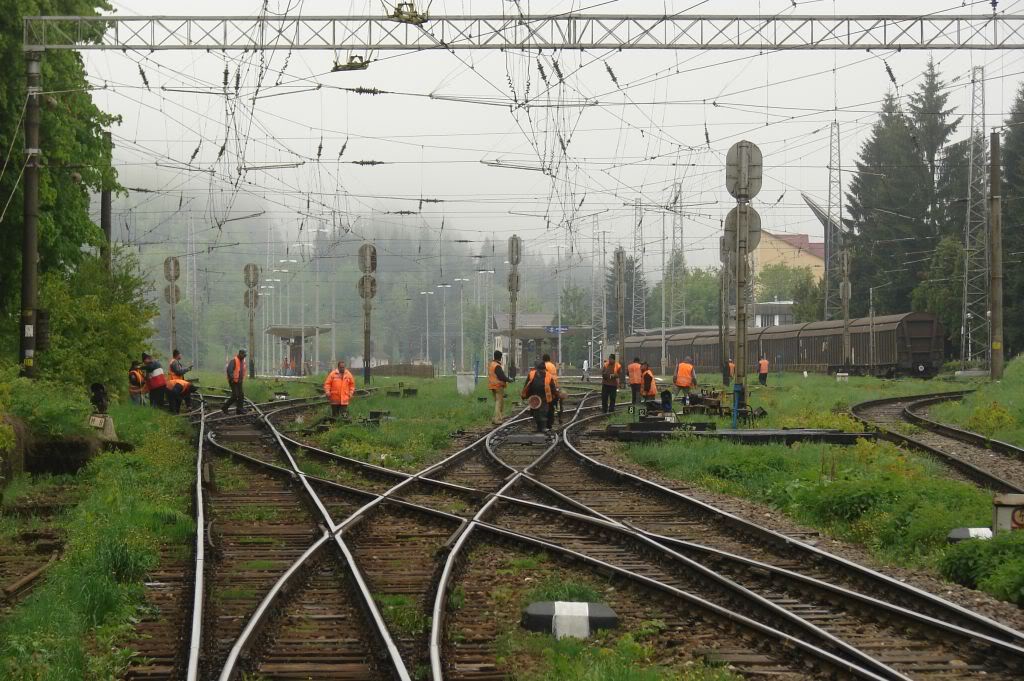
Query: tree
x: 887, y: 204
x: 1013, y: 226
x: 575, y: 312
x: 76, y: 157
x: 931, y: 125
x: 779, y: 281
x: 808, y: 300
x: 699, y: 287
x: 942, y: 293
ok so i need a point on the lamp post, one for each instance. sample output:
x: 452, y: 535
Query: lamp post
x: 444, y: 327
x: 427, y: 306
x: 462, y: 323
x: 487, y: 314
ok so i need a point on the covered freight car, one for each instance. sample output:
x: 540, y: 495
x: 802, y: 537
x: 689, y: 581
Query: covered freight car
x: 908, y: 344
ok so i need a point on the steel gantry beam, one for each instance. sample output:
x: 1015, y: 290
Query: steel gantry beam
x: 561, y: 31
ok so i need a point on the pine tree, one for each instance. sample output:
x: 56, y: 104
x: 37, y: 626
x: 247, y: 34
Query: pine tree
x: 1013, y: 226
x: 931, y: 125
x: 887, y: 204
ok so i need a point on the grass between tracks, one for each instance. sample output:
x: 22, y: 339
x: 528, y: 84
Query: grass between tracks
x: 898, y: 504
x: 995, y: 410
x: 420, y: 428
x: 74, y: 624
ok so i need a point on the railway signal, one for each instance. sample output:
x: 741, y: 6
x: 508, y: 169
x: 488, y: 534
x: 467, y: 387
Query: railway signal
x: 251, y: 275
x: 367, y: 287
x: 515, y: 247
x: 172, y: 294
x: 743, y: 171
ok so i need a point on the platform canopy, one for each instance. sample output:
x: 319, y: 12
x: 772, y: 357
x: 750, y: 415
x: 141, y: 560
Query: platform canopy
x: 534, y: 326
x: 307, y: 331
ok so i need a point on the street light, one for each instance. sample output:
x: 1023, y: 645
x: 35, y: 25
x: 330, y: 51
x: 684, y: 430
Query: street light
x: 427, y: 301
x: 462, y: 323
x: 444, y: 327
x: 487, y: 315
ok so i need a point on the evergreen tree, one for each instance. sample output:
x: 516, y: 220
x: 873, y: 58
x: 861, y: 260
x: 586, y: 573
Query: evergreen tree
x: 887, y: 205
x: 1013, y: 226
x: 931, y: 125
x: 942, y: 293
x: 612, y: 311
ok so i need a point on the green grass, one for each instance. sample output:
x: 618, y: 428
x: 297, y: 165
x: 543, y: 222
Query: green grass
x: 402, y: 614
x: 609, y: 657
x: 521, y: 564
x: 261, y: 389
x: 73, y: 626
x: 49, y: 409
x: 897, y: 504
x: 556, y: 588
x: 421, y: 428
x: 254, y: 514
x: 995, y: 410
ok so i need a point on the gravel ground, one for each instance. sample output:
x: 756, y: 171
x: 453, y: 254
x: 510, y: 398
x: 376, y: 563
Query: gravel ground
x: 594, y: 444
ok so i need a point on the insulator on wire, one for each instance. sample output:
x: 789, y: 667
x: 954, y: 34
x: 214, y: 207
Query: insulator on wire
x: 343, y: 147
x: 611, y: 73
x: 558, y: 71
x: 196, y: 152
x: 892, y: 76
x: 320, y: 149
x: 707, y: 137
x: 543, y: 76
x: 145, y: 81
x: 225, y: 77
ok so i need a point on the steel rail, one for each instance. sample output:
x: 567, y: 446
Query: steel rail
x: 962, y: 434
x: 987, y: 627
x: 979, y: 475
x: 198, y: 586
x: 786, y: 640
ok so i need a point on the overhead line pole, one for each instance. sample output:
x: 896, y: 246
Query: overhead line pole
x: 996, y: 265
x: 30, y: 224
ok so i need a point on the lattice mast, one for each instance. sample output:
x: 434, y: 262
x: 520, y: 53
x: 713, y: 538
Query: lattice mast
x: 974, y: 330
x: 834, y: 229
x: 677, y: 263
x: 638, y: 302
x: 597, y: 295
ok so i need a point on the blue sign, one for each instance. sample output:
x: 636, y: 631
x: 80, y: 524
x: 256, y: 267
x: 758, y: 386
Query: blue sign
x: 556, y: 329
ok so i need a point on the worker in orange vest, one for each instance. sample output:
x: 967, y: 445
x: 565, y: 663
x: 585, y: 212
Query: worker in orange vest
x: 762, y: 370
x: 686, y: 378
x: 179, y: 390
x: 136, y: 383
x: 496, y: 382
x: 156, y: 381
x: 609, y: 384
x: 635, y: 374
x: 339, y: 386
x: 235, y: 371
x: 552, y: 370
x: 648, y: 383
x: 541, y: 384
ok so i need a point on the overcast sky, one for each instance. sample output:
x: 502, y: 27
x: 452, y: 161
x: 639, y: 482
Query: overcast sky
x: 441, y: 137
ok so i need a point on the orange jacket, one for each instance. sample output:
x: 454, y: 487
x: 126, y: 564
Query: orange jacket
x: 762, y: 366
x: 236, y: 369
x: 732, y: 369
x: 185, y: 385
x: 615, y: 369
x: 137, y: 382
x: 635, y: 373
x: 652, y: 391
x: 339, y: 387
x: 684, y: 375
x: 549, y: 380
x: 493, y: 382
x: 551, y: 370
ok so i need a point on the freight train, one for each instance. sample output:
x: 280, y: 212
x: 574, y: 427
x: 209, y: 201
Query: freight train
x: 909, y: 344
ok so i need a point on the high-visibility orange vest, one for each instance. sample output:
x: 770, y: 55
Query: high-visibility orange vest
x: 548, y: 381
x: 684, y: 375
x: 492, y: 376
x: 653, y: 390
x: 551, y: 370
x: 237, y: 369
x: 635, y: 373
x: 732, y: 369
x: 140, y: 380
x: 179, y: 381
x: 762, y: 366
x: 339, y: 386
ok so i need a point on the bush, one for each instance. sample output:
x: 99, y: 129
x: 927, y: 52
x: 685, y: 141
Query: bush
x: 49, y: 409
x: 988, y: 419
x: 995, y: 565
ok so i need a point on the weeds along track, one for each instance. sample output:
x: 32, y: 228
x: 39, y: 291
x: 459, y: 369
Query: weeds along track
x: 991, y: 464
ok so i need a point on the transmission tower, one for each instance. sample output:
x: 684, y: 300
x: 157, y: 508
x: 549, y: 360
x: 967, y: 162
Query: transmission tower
x: 639, y: 318
x: 677, y: 303
x: 834, y: 229
x: 597, y: 301
x: 975, y: 322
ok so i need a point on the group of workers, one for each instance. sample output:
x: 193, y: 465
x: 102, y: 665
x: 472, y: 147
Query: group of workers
x: 541, y: 391
x: 165, y: 390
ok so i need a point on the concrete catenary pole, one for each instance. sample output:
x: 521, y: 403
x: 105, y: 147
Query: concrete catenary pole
x: 30, y: 223
x: 105, y: 211
x: 996, y: 255
x: 620, y: 300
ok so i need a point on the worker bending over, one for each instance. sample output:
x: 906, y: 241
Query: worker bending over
x: 539, y: 392
x: 610, y: 376
x: 179, y: 391
x: 136, y: 383
x: 686, y: 378
x: 339, y: 386
x: 235, y: 371
x: 634, y: 373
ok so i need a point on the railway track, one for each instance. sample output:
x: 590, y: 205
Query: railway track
x: 315, y: 570
x: 991, y: 464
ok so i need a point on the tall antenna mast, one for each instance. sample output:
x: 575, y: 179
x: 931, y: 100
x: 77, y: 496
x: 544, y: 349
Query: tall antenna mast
x: 974, y: 330
x: 639, y: 306
x: 834, y: 229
